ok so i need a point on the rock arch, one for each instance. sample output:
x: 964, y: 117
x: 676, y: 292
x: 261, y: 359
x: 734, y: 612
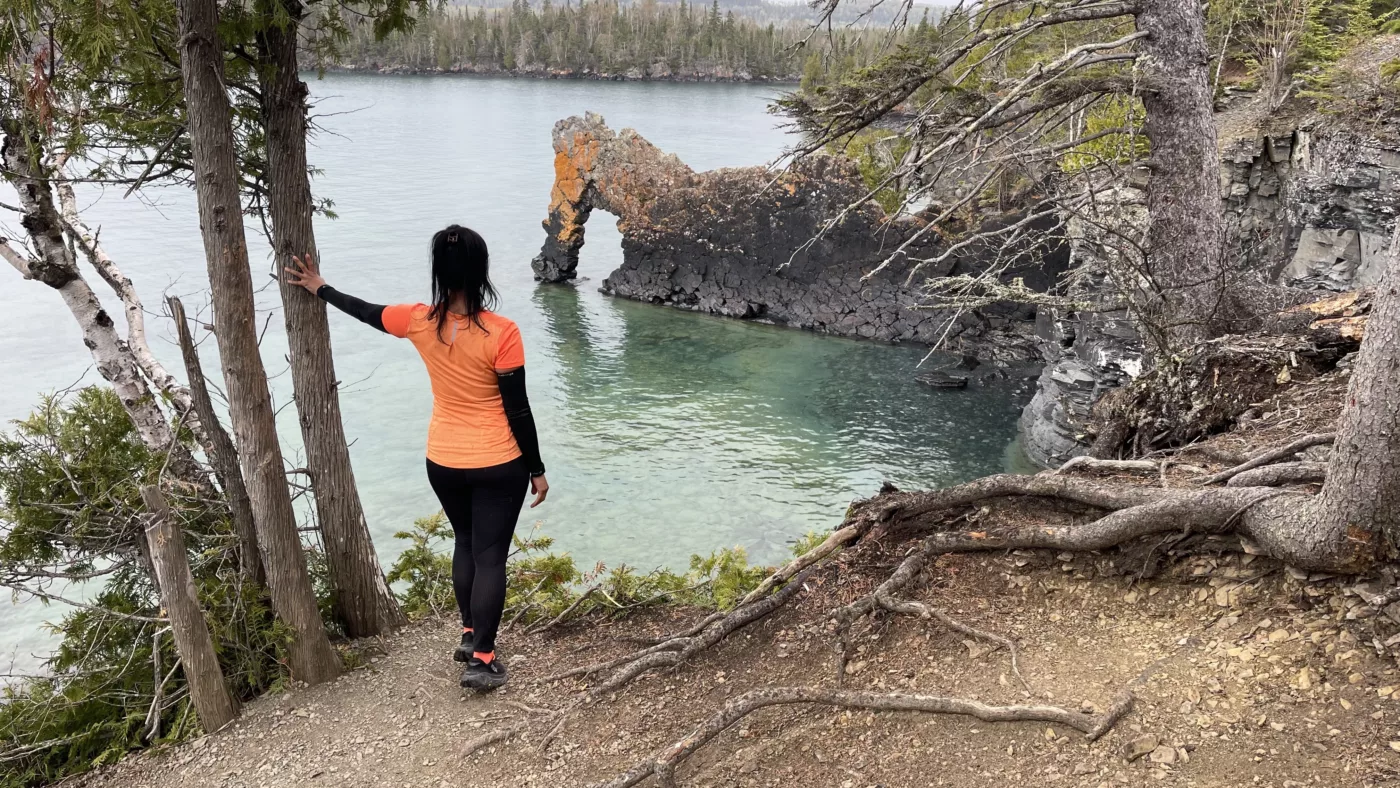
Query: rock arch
x: 723, y: 241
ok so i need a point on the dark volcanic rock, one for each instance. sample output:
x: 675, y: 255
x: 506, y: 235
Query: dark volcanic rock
x: 1086, y: 353
x: 748, y: 243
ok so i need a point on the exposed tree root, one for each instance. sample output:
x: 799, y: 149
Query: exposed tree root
x: 845, y: 617
x: 1095, y: 464
x: 1286, y: 524
x: 829, y: 546
x: 1273, y: 455
x: 680, y: 649
x: 598, y: 667
x: 663, y: 765
x: 674, y: 649
x: 921, y: 610
x: 886, y: 597
x: 508, y: 732
x: 1280, y: 474
x: 489, y: 738
x: 562, y: 617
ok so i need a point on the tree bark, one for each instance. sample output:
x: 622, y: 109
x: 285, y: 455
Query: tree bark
x: 57, y: 268
x: 310, y: 655
x: 1361, y: 496
x: 86, y: 240
x: 363, y: 603
x: 212, y: 701
x: 1185, y: 229
x: 223, y: 457
x: 1281, y: 474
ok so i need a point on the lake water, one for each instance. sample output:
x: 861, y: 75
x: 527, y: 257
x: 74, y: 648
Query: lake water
x: 666, y: 433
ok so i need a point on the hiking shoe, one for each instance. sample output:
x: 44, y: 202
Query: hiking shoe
x: 464, y: 651
x: 484, y: 675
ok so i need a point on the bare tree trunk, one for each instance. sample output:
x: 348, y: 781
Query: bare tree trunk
x: 212, y: 701
x: 363, y: 602
x: 250, y: 404
x: 1361, y: 497
x: 1185, y: 231
x: 223, y: 457
x: 57, y: 268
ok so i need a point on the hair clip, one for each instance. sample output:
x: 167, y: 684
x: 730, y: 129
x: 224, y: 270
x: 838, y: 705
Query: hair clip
x: 452, y: 238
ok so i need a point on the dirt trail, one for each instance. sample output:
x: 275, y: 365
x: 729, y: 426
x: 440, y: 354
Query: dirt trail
x: 1252, y: 678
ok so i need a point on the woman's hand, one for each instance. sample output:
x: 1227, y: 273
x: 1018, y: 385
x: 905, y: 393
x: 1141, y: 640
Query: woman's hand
x: 305, y: 273
x: 540, y: 487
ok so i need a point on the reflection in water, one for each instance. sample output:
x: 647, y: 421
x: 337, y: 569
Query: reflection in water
x: 685, y: 432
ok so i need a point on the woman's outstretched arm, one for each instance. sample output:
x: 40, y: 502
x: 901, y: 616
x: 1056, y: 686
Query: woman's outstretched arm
x: 363, y: 311
x: 306, y: 273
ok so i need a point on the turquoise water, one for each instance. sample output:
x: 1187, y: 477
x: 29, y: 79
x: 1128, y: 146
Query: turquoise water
x: 666, y: 433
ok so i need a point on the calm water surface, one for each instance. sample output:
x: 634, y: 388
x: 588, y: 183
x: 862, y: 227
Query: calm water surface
x: 666, y: 433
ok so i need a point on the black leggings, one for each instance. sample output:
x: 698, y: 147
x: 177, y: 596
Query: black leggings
x: 482, y: 505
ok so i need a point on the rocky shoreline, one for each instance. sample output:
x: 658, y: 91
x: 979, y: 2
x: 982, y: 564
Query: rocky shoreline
x: 658, y: 73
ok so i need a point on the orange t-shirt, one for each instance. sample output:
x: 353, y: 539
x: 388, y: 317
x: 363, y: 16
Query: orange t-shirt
x: 469, y: 427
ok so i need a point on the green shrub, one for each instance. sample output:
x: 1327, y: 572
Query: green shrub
x: 877, y: 154
x: 70, y: 506
x: 808, y: 542
x: 541, y: 584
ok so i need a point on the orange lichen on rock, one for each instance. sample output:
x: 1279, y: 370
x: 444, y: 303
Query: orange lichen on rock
x: 572, y: 166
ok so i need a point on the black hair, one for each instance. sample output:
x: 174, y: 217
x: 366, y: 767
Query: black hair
x: 461, y: 264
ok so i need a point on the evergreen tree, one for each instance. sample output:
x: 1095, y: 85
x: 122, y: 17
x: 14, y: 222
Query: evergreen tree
x: 600, y: 36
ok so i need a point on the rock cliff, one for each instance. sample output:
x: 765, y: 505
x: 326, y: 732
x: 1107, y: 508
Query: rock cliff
x: 747, y: 243
x: 1311, y: 207
x: 1086, y: 353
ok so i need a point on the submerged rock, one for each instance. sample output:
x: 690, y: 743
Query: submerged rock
x: 750, y: 243
x: 942, y: 380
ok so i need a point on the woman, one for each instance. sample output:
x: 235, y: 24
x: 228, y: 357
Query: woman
x: 483, y: 452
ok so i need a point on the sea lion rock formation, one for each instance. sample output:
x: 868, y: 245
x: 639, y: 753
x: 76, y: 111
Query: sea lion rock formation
x: 740, y: 241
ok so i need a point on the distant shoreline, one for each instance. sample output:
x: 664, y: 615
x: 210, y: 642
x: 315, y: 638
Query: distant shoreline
x: 632, y: 75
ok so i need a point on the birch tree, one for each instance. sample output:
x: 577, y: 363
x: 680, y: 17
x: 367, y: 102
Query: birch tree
x: 53, y: 263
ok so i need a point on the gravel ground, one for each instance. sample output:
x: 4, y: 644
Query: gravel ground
x: 1249, y: 676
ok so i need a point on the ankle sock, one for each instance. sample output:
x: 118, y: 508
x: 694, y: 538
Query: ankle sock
x: 484, y: 656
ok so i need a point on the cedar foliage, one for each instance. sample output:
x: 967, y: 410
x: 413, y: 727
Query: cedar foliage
x: 71, y: 509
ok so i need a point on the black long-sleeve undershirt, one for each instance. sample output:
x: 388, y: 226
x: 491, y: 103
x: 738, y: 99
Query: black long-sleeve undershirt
x: 522, y: 422
x: 363, y: 311
x: 510, y: 382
